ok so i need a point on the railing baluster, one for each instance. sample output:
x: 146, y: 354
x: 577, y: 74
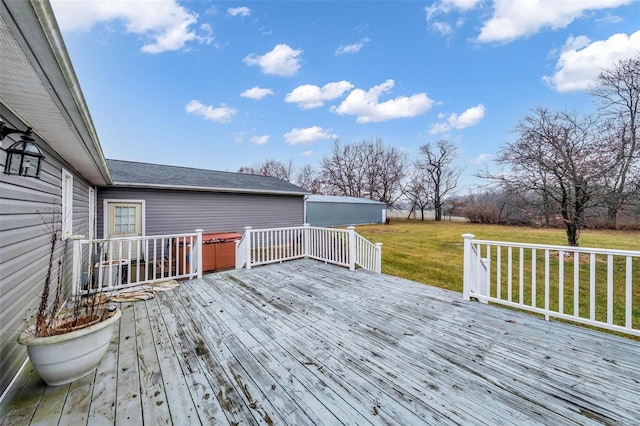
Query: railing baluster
x: 546, y: 284
x: 561, y: 281
x: 592, y: 286
x: 499, y: 272
x: 534, y: 264
x: 488, y: 266
x: 628, y: 294
x: 509, y: 274
x: 609, y: 289
x: 521, y: 276
x: 576, y: 283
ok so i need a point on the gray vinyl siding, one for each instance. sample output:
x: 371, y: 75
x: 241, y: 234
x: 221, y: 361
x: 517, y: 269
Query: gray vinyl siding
x: 175, y: 211
x: 341, y: 214
x: 25, y: 242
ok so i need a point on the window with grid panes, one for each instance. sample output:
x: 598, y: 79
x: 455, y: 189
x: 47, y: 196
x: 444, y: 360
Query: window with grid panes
x: 125, y: 219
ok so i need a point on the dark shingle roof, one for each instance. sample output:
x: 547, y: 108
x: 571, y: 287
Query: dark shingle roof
x: 134, y: 174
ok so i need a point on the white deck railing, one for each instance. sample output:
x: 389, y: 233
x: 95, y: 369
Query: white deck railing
x: 118, y: 263
x: 343, y: 247
x: 585, y: 285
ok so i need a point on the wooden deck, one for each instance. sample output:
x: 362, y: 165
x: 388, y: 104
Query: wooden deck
x: 306, y: 343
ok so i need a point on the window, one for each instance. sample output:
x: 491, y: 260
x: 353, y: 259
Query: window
x: 125, y: 219
x: 67, y: 204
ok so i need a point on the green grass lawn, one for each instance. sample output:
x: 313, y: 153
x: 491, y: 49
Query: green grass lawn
x: 431, y: 252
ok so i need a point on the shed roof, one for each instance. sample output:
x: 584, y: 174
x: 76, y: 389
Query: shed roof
x: 340, y: 199
x: 146, y: 175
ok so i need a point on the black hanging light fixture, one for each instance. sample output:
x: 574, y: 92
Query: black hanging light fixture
x: 23, y: 157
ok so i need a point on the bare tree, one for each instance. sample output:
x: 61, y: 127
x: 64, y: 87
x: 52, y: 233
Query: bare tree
x: 560, y: 147
x: 367, y: 169
x: 310, y: 179
x: 439, y: 162
x: 344, y: 169
x: 418, y: 189
x: 273, y: 168
x: 618, y: 93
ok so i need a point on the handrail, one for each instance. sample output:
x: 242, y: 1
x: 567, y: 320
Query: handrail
x: 342, y: 247
x: 117, y: 263
x: 592, y: 286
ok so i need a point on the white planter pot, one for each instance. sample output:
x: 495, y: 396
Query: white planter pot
x: 67, y: 357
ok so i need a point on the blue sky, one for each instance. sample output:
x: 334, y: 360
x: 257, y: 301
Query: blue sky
x: 221, y: 85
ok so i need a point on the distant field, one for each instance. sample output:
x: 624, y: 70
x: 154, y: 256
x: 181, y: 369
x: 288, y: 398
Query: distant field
x: 431, y: 252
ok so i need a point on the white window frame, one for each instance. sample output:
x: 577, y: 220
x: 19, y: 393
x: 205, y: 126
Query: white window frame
x: 92, y: 212
x: 105, y: 214
x: 67, y: 204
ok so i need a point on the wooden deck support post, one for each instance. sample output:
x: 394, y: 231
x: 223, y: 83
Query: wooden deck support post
x: 378, y: 257
x: 352, y: 247
x: 467, y: 265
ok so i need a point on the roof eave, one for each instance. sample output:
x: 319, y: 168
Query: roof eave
x: 205, y: 188
x: 35, y: 29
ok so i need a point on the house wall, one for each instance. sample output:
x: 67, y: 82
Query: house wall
x: 173, y: 211
x: 341, y: 214
x: 25, y: 203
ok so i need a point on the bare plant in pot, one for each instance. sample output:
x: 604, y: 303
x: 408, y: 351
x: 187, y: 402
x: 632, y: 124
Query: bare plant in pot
x: 67, y: 340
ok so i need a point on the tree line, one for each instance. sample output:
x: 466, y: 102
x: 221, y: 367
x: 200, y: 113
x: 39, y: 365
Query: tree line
x: 564, y: 168
x: 371, y: 169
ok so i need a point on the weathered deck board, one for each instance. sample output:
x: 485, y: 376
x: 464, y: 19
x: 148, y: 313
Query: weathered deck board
x: 127, y: 394
x: 103, y: 409
x: 307, y: 343
x: 155, y: 409
x: 210, y: 390
x: 25, y: 405
x: 179, y: 399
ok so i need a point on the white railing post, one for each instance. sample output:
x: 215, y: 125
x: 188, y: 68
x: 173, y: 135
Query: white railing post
x: 77, y: 267
x: 305, y: 239
x: 247, y: 253
x: 352, y: 247
x: 198, y: 249
x: 378, y: 257
x: 467, y: 267
x: 238, y: 255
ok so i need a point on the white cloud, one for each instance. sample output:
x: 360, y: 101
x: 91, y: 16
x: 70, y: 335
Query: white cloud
x: 307, y: 154
x: 445, y: 6
x: 514, y: 19
x: 468, y: 118
x: 442, y: 27
x: 222, y: 114
x: 352, y: 48
x: 256, y: 93
x: 365, y: 104
x: 282, y: 60
x: 308, y: 136
x: 242, y: 11
x: 310, y: 96
x: 581, y: 61
x: 164, y: 24
x: 610, y: 19
x: 480, y: 159
x: 260, y: 140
